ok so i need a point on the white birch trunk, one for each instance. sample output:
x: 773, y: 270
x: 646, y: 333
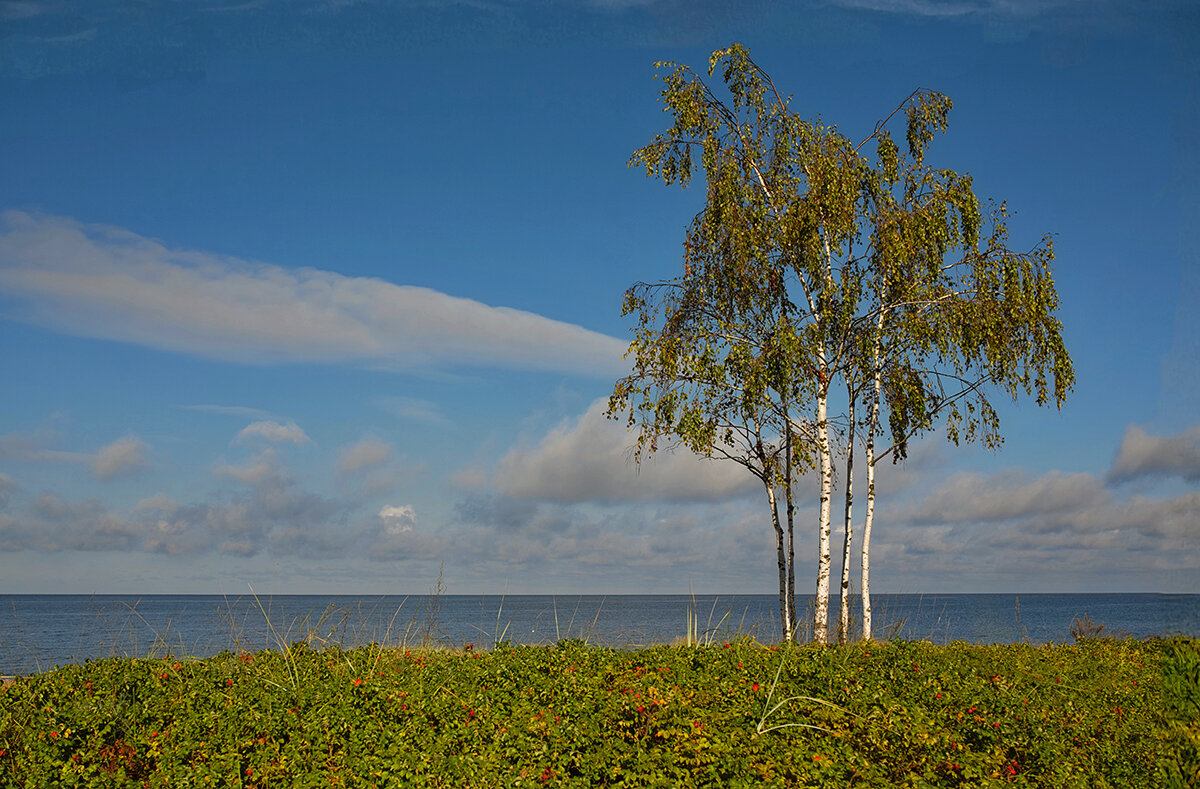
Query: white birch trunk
x: 821, y: 612
x: 866, y: 538
x: 844, y: 608
x: 785, y: 613
x: 791, y: 544
x: 872, y: 427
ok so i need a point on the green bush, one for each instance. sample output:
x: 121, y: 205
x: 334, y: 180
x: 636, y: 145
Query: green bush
x: 905, y: 714
x: 1181, y: 695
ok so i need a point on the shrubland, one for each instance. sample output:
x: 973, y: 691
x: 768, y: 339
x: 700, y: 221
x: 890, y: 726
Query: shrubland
x: 1097, y: 713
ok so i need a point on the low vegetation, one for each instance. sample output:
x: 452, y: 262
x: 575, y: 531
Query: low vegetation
x: 1097, y: 713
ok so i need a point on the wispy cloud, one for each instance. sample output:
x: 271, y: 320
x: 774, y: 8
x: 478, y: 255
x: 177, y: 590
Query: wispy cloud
x: 255, y: 472
x: 20, y: 9
x: 620, y: 5
x: 271, y: 431
x: 107, y: 282
x: 917, y: 7
x: 71, y: 38
x: 414, y: 408
x: 121, y: 457
x: 232, y: 410
x: 956, y: 8
x: 369, y: 452
x: 26, y: 446
x: 159, y: 502
x: 370, y: 467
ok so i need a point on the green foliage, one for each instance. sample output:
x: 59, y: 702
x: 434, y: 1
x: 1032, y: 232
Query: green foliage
x: 810, y: 262
x: 1181, y: 694
x: 909, y: 714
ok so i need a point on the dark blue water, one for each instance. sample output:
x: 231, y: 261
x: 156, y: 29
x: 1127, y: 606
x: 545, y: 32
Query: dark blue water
x: 38, y: 632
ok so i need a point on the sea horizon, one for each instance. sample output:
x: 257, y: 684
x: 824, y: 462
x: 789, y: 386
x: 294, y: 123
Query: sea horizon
x: 38, y: 631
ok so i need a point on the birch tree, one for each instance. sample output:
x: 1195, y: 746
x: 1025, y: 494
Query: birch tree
x: 811, y: 264
x: 953, y: 313
x: 735, y: 357
x: 710, y: 380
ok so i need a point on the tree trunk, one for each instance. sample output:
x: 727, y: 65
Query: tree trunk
x: 844, y: 608
x: 872, y: 426
x: 866, y: 543
x: 785, y: 614
x: 821, y: 609
x: 791, y: 544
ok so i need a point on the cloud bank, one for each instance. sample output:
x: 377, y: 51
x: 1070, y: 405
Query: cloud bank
x: 109, y: 283
x: 570, y: 508
x: 590, y: 460
x: 1142, y: 455
x: 1053, y: 532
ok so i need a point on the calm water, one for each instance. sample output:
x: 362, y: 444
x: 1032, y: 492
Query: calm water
x: 38, y: 632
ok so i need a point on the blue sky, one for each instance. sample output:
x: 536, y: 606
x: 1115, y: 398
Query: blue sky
x: 320, y: 296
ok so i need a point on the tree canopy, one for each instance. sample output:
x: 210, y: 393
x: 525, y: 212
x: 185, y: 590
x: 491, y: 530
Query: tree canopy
x: 812, y: 265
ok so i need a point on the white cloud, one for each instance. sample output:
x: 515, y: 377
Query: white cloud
x: 620, y: 5
x: 398, y: 519
x: 254, y: 473
x: 106, y: 282
x: 1050, y: 532
x: 22, y: 446
x: 370, y: 452
x: 589, y: 460
x: 159, y: 502
x: 273, y: 432
x: 973, y: 497
x: 415, y: 409
x: 33, y: 447
x: 231, y: 410
x: 20, y: 9
x: 711, y: 541
x: 120, y: 457
x: 7, y: 488
x: 957, y: 8
x: 275, y: 515
x: 369, y: 468
x: 470, y: 478
x: 914, y: 7
x: 1053, y: 538
x: 70, y: 38
x: 390, y: 477
x: 54, y: 524
x: 1143, y: 455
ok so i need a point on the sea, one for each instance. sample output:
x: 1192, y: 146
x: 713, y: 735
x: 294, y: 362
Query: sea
x: 40, y: 632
